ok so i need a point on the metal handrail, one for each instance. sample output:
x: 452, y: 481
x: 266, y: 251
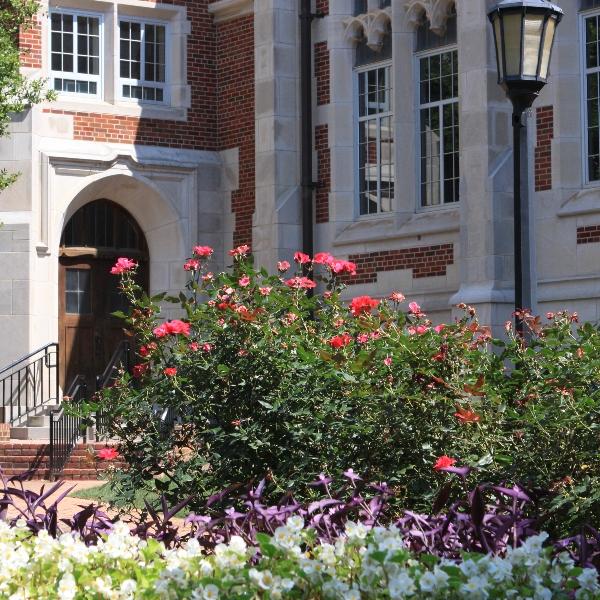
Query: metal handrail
x: 65, y: 429
x: 119, y: 359
x: 28, y: 382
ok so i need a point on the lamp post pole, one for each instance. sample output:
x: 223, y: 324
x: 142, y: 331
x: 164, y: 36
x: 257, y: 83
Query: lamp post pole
x: 524, y: 33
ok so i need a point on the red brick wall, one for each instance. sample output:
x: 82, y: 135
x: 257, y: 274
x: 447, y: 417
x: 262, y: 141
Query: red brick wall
x: 322, y: 72
x: 30, y: 45
x: 235, y: 101
x: 588, y: 235
x: 200, y: 130
x: 543, y: 149
x: 322, y: 6
x: 323, y: 173
x: 425, y: 261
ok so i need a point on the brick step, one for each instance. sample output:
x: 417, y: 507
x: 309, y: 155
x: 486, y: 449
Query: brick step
x: 15, y: 458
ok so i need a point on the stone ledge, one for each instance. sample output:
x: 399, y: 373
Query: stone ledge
x: 226, y: 10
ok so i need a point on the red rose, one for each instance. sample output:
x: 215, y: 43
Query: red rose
x: 363, y: 305
x: 443, y: 462
x: 340, y: 341
x: 467, y: 416
x: 139, y: 370
x: 176, y: 327
x: 191, y: 265
x: 170, y: 371
x: 108, y: 454
x: 301, y: 258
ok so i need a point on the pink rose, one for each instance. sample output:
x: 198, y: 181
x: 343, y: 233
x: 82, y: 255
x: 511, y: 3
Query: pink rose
x: 123, y: 265
x: 301, y: 283
x: 414, y: 308
x: 203, y: 251
x: 240, y: 251
x: 244, y: 281
x: 191, y: 265
x: 265, y: 291
x: 301, y: 258
x: 283, y: 265
x: 387, y: 361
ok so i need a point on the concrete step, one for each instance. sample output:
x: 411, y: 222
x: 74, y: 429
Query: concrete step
x: 30, y: 433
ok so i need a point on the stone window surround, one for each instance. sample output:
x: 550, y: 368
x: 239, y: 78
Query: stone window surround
x: 179, y: 28
x: 407, y: 219
x: 587, y: 183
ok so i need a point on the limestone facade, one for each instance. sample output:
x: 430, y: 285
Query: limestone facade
x: 219, y: 162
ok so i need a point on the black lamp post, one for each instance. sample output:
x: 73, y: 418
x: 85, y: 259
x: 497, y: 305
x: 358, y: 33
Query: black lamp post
x: 524, y: 35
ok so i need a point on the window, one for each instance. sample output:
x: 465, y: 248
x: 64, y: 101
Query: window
x: 375, y: 140
x: 439, y: 170
x: 142, y: 61
x: 592, y: 97
x: 77, y: 292
x: 75, y: 53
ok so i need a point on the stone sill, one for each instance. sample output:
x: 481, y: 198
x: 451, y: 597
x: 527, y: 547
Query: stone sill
x: 399, y: 226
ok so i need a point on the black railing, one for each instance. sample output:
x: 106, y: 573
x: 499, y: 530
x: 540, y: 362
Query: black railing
x: 119, y: 362
x: 29, y: 383
x: 65, y: 429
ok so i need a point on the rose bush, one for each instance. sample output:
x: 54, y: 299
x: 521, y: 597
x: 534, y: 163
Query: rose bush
x: 263, y: 377
x: 360, y: 564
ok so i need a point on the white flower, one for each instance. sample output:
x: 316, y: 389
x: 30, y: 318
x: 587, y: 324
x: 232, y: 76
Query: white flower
x: 588, y: 580
x: 432, y: 581
x: 67, y: 587
x: 211, y: 592
x: 402, y: 585
x: 542, y: 593
x: 356, y: 531
x: 352, y: 594
x: 475, y: 588
x: 295, y: 523
x: 128, y: 587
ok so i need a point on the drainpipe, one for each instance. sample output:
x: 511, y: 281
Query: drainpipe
x: 307, y: 183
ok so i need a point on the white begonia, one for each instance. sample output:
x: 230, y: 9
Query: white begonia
x: 588, y: 580
x: 433, y: 581
x: 295, y: 523
x: 401, y: 586
x: 67, y: 588
x: 352, y: 594
x: 356, y: 531
x: 542, y: 593
x: 475, y: 588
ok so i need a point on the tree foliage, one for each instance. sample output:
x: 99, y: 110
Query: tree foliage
x: 17, y: 91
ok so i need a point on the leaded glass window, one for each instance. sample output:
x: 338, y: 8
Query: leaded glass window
x: 375, y: 140
x: 75, y: 53
x: 142, y: 61
x: 592, y: 86
x: 439, y: 128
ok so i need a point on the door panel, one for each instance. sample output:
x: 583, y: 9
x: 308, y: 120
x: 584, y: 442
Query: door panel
x: 88, y: 333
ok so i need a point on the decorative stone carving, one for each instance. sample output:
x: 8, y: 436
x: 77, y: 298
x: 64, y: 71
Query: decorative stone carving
x: 436, y: 11
x: 371, y: 26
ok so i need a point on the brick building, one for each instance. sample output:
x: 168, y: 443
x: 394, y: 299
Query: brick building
x: 179, y: 123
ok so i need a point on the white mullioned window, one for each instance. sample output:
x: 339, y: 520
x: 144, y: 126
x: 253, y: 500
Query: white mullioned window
x: 438, y: 119
x: 75, y: 42
x: 375, y: 139
x: 142, y: 61
x: 592, y: 97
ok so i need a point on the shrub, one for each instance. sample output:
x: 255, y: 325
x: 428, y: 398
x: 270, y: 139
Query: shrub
x: 267, y: 378
x: 290, y: 564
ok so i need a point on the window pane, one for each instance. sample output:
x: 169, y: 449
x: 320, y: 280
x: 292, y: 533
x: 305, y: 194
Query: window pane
x: 77, y: 291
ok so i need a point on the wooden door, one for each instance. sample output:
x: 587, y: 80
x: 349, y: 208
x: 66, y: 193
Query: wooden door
x: 89, y: 333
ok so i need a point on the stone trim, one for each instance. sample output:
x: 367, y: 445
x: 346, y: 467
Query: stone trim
x: 226, y: 10
x: 436, y: 12
x: 372, y: 26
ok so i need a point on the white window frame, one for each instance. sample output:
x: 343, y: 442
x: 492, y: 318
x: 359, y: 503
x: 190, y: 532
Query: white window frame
x: 98, y: 79
x: 357, y: 121
x: 121, y: 81
x: 420, y: 207
x: 585, y: 170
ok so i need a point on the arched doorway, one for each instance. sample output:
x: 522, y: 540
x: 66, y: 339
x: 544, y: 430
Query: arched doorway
x: 97, y: 234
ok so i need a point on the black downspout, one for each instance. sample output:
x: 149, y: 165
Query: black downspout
x: 307, y: 183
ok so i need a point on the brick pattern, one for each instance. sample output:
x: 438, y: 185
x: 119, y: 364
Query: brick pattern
x: 30, y: 45
x: 235, y: 101
x: 18, y: 457
x: 589, y: 234
x: 322, y: 73
x: 425, y: 261
x: 543, y: 149
x: 322, y: 6
x: 200, y: 130
x: 323, y: 173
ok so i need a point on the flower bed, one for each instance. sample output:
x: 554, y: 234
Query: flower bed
x: 361, y: 564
